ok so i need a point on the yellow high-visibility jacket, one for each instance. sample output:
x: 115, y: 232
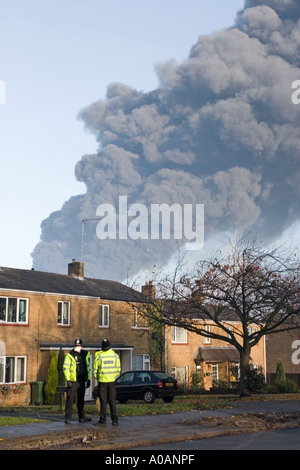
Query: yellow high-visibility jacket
x: 107, y: 366
x: 69, y: 367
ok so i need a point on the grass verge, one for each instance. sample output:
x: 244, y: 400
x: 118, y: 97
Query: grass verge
x: 138, y: 408
x: 12, y: 420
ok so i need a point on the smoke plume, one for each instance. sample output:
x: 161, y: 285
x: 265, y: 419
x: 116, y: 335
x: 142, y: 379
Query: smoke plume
x: 220, y: 130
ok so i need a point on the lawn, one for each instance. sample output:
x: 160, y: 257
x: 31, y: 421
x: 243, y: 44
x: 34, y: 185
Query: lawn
x: 12, y: 420
x: 31, y: 414
x: 132, y: 408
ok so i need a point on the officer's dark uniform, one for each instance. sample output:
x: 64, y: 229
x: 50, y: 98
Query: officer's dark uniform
x: 77, y: 373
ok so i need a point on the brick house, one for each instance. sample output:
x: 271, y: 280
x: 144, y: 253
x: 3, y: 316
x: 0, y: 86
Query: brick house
x: 41, y: 312
x: 211, y: 359
x: 284, y: 346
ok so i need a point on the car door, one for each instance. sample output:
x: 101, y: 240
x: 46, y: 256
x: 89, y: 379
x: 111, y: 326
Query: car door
x: 124, y: 385
x: 142, y: 380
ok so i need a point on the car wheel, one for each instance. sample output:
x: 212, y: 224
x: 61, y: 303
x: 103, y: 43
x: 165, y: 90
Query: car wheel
x: 168, y: 399
x: 149, y: 396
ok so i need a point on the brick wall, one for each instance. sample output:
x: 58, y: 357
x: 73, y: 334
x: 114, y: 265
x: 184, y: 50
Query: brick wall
x: 42, y: 327
x: 285, y: 346
x: 182, y: 355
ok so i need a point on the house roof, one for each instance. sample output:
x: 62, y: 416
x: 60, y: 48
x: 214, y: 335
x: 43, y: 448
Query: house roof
x: 217, y: 354
x: 40, y: 281
x: 196, y: 311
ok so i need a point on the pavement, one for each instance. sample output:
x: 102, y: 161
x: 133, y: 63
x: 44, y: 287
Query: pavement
x: 136, y: 431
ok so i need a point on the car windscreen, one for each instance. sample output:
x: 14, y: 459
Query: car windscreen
x: 161, y: 375
x: 125, y: 378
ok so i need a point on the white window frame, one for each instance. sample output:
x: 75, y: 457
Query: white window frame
x: 176, y: 335
x: 230, y: 328
x: 104, y: 313
x: 17, y: 322
x: 63, y: 303
x: 207, y: 339
x: 145, y: 359
x: 136, y: 325
x: 251, y: 329
x: 180, y: 373
x: 3, y: 362
x: 215, y: 372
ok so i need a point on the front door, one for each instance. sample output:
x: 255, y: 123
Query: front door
x: 88, y: 391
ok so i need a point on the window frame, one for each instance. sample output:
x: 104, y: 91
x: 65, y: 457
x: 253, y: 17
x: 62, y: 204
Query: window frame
x: 175, y: 335
x: 16, y: 369
x: 61, y: 323
x: 207, y: 339
x: 145, y: 361
x: 7, y: 314
x: 214, y: 372
x: 251, y: 330
x: 137, y: 318
x: 180, y: 373
x: 104, y: 322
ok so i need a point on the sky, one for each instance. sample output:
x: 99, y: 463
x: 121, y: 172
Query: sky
x: 56, y: 58
x: 75, y: 71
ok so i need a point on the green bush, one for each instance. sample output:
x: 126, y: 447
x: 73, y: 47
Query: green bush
x: 281, y: 383
x: 284, y: 386
x: 280, y: 373
x: 220, y: 387
x: 52, y: 381
x: 256, y: 380
x: 60, y: 364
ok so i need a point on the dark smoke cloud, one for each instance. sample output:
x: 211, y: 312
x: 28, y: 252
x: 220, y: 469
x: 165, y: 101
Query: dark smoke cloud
x: 220, y: 130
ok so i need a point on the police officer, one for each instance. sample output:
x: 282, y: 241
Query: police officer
x: 77, y: 373
x: 107, y: 368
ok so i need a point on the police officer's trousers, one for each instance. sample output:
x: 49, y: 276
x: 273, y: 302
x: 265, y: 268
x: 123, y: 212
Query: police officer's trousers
x: 79, y: 389
x: 107, y: 394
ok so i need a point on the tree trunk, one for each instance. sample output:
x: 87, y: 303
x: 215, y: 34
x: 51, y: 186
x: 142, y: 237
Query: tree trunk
x: 244, y: 366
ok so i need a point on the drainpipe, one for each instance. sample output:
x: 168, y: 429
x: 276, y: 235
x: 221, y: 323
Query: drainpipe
x: 166, y: 350
x: 265, y: 359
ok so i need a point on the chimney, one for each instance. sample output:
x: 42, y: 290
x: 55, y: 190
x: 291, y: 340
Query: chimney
x: 76, y: 269
x: 149, y: 290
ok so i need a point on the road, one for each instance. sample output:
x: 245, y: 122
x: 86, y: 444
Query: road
x: 283, y: 439
x: 190, y: 430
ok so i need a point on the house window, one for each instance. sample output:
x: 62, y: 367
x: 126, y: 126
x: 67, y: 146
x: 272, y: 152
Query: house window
x: 214, y: 373
x: 139, y: 321
x: 229, y: 327
x: 63, y: 313
x: 180, y: 374
x: 140, y: 362
x: 207, y: 339
x: 251, y: 330
x: 179, y: 335
x: 13, y: 310
x: 104, y: 316
x: 12, y: 369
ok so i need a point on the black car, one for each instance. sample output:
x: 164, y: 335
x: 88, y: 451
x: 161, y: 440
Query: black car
x: 146, y: 385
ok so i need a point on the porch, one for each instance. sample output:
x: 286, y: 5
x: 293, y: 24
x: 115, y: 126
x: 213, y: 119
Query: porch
x: 217, y: 364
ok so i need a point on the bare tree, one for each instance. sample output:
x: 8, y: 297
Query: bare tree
x: 257, y: 286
